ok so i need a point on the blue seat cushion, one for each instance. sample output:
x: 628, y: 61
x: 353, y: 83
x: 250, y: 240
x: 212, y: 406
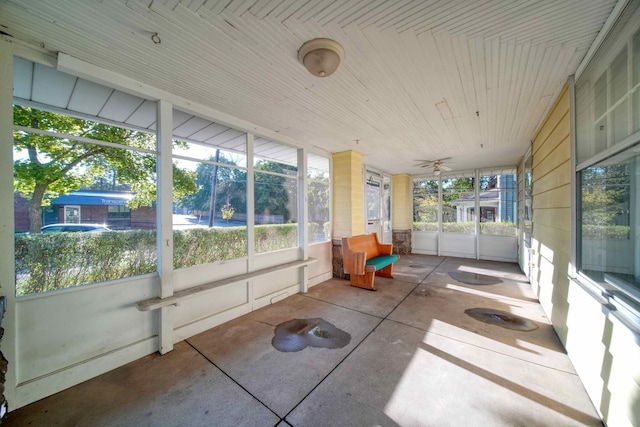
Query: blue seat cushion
x: 382, y: 261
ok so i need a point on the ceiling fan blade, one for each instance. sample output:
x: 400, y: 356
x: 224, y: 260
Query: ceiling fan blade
x: 445, y: 168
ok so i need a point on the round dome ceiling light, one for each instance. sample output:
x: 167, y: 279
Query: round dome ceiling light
x: 321, y: 57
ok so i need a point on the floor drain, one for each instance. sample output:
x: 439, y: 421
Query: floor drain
x: 501, y: 318
x: 297, y: 334
x: 474, y: 278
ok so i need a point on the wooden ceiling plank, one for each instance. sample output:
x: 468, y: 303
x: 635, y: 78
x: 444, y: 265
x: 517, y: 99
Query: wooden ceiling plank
x: 311, y: 9
x: 263, y: 8
x: 215, y: 6
x: 517, y: 78
x: 359, y: 13
x: 337, y: 10
x: 476, y: 48
x: 435, y: 7
x: 379, y: 12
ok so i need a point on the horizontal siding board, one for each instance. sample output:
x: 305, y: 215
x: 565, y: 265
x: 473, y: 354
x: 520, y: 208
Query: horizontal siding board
x: 552, y: 162
x: 558, y: 218
x: 557, y: 178
x: 559, y: 197
x: 554, y: 239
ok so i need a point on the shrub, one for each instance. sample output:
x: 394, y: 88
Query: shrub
x: 425, y: 226
x: 203, y: 245
x: 319, y: 232
x: 272, y: 237
x: 459, y: 227
x: 314, y: 232
x: 612, y: 232
x: 498, y: 228
x: 45, y: 262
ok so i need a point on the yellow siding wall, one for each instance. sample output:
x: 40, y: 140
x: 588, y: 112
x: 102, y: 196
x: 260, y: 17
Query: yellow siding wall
x: 402, y: 211
x: 605, y: 353
x: 348, y: 194
x: 552, y: 212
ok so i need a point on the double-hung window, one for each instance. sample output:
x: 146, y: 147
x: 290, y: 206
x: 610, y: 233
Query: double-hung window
x: 607, y: 115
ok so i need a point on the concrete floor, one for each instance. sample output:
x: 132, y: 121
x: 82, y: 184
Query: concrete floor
x: 414, y: 359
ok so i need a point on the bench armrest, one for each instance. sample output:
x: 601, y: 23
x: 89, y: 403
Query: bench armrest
x: 352, y: 262
x: 385, y: 248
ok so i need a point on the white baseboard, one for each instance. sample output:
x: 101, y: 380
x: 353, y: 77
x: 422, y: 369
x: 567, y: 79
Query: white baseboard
x: 62, y: 379
x: 321, y: 278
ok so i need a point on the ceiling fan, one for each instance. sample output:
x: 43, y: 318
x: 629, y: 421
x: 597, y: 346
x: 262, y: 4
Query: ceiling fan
x: 437, y: 165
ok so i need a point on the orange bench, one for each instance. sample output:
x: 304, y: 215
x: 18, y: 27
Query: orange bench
x: 363, y: 257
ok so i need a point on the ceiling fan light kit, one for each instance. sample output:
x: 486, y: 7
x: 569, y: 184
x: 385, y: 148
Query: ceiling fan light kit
x: 437, y: 165
x: 321, y: 57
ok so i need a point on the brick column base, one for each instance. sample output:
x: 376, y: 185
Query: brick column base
x: 336, y: 255
x: 401, y: 242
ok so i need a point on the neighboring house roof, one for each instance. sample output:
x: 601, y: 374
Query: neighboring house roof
x: 106, y: 198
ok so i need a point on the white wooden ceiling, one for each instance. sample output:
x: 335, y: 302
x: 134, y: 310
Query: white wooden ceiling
x: 467, y: 79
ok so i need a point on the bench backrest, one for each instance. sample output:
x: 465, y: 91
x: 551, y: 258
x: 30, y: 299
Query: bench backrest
x: 365, y: 243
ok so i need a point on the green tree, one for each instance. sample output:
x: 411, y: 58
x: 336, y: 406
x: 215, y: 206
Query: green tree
x: 318, y: 196
x: 274, y: 195
x: 47, y: 166
x: 605, y: 195
x: 231, y: 187
x: 425, y: 201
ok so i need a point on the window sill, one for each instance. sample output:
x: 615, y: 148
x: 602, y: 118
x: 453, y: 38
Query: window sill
x: 613, y: 302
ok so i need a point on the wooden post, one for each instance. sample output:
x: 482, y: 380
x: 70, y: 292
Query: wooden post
x: 165, y: 221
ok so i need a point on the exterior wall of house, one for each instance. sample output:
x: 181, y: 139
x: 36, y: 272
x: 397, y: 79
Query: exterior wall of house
x: 605, y: 352
x: 551, y: 171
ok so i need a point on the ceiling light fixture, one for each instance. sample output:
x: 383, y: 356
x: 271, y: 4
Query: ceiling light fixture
x: 321, y: 57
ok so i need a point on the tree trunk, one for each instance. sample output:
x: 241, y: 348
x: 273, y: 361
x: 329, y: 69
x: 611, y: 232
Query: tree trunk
x: 35, y: 208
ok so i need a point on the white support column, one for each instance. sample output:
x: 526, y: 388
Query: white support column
x: 7, y: 262
x: 440, y: 216
x: 164, y: 221
x: 251, y: 239
x: 303, y: 233
x: 251, y: 235
x: 476, y: 189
